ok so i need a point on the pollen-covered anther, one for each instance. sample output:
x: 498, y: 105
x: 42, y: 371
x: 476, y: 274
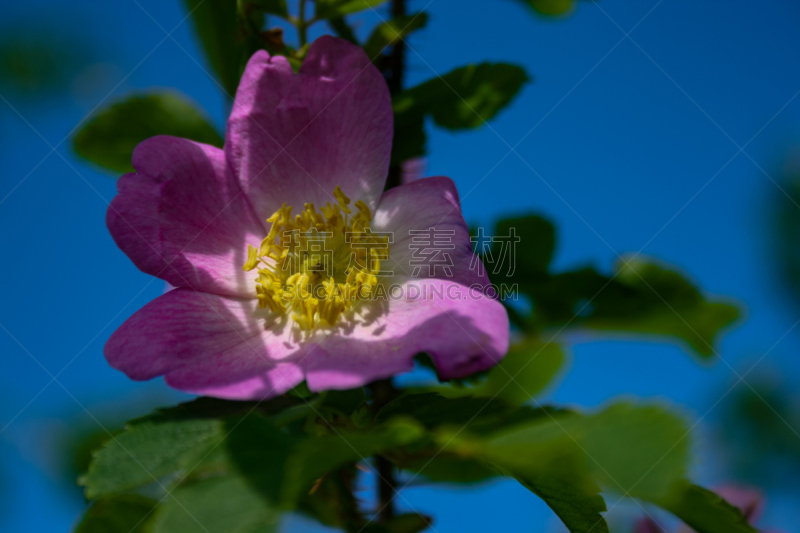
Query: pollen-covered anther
x: 318, y: 264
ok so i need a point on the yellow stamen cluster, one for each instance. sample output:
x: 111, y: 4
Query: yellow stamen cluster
x: 317, y: 264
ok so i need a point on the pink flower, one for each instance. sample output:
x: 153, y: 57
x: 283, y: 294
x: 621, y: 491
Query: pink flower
x: 244, y: 321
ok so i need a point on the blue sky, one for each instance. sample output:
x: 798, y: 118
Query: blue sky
x: 628, y: 143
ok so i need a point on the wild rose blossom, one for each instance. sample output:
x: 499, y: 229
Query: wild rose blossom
x: 254, y: 313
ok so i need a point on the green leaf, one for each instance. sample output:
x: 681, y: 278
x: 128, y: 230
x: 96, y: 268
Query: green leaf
x: 109, y: 138
x: 706, y: 512
x: 389, y: 33
x: 464, y: 98
x: 127, y: 513
x: 171, y: 441
x: 148, y: 450
x: 227, y: 40
x: 523, y: 373
x: 327, y: 9
x: 577, y: 508
x: 444, y: 468
x: 431, y: 409
x: 640, y: 450
x: 226, y: 504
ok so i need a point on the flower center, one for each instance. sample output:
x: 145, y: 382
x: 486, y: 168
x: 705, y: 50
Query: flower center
x: 318, y: 264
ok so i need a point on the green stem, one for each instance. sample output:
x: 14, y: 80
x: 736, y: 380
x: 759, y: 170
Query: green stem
x: 395, y: 66
x: 383, y: 392
x: 302, y: 24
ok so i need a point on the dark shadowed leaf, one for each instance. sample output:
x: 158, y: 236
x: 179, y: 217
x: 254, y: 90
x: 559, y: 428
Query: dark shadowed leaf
x: 706, y: 512
x: 409, y: 136
x: 311, y: 459
x: 332, y: 501
x: 227, y: 37
x: 533, y: 252
x: 127, y: 513
x: 389, y: 33
x: 272, y: 7
x: 578, y: 507
x: 109, y: 138
x: 404, y: 523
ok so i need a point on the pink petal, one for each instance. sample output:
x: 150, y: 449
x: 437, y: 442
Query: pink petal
x: 181, y: 217
x: 294, y: 137
x: 421, y: 205
x: 749, y: 500
x: 463, y: 331
x: 647, y: 525
x: 207, y: 344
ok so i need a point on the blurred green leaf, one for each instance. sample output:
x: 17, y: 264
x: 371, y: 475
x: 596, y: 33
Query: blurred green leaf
x: 109, y: 138
x: 640, y: 297
x: 389, y: 33
x: 649, y: 298
x: 224, y: 504
x: 227, y: 37
x: 756, y: 430
x: 639, y: 450
x: 127, y: 513
x: 39, y: 61
x: 578, y: 508
x: 707, y: 512
x: 328, y: 9
x: 549, y: 7
x: 445, y: 468
x: 787, y: 231
x: 431, y: 409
